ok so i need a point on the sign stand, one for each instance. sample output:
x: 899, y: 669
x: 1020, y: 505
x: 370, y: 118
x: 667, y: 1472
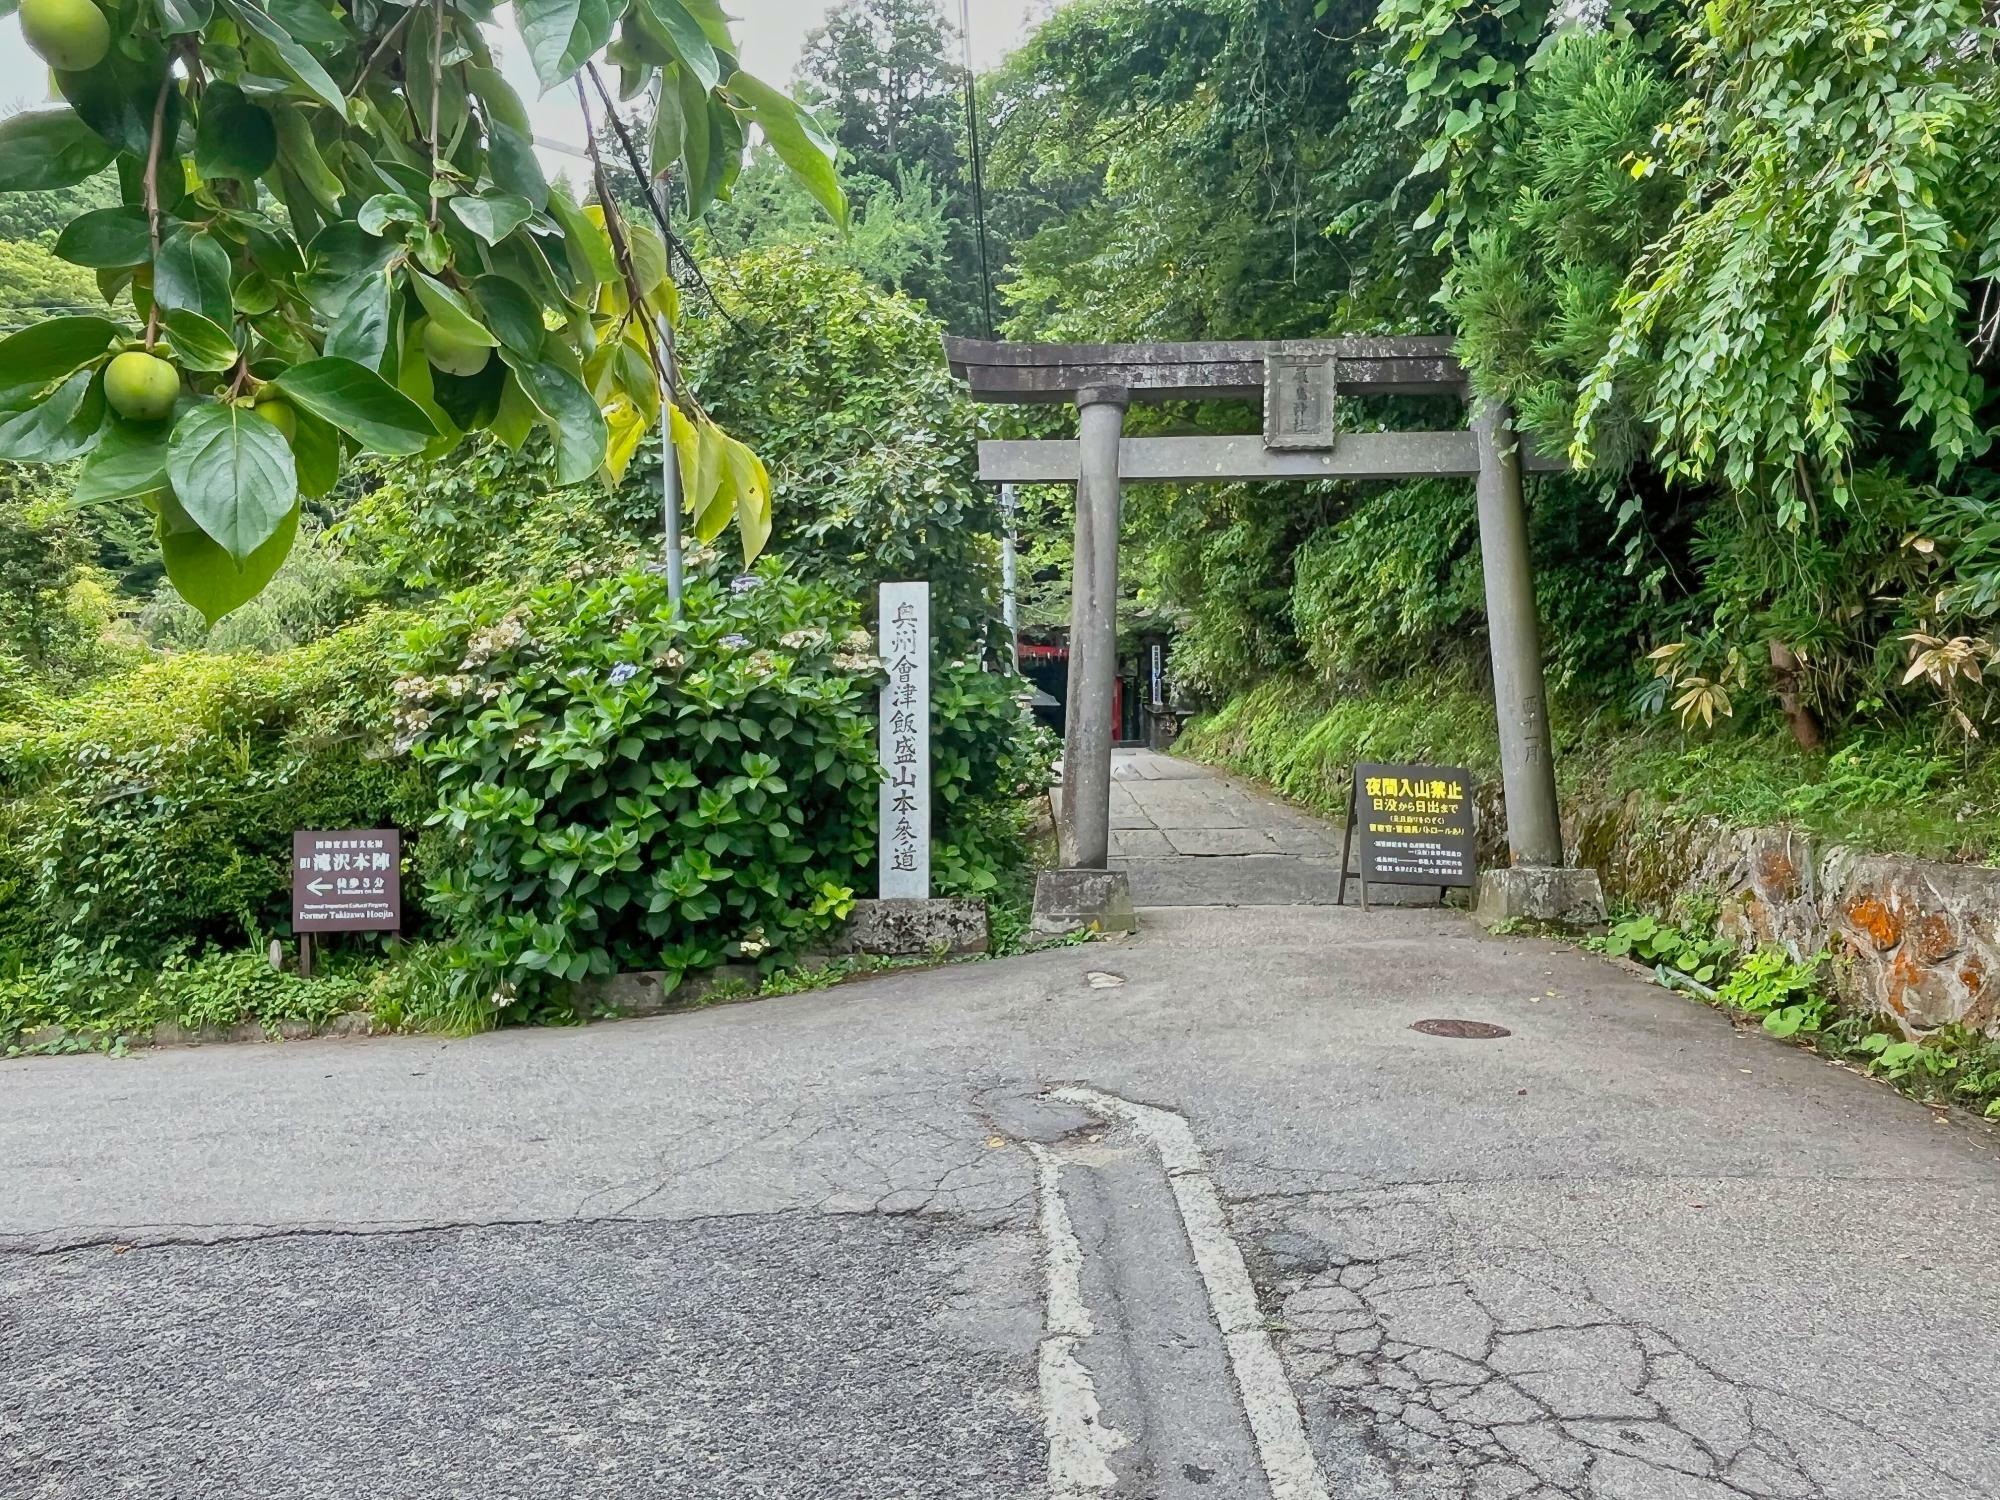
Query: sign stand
x: 344, y: 880
x: 1347, y: 843
x: 1416, y: 826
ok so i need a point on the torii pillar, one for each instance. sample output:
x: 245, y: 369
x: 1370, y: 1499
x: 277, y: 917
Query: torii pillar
x: 1298, y: 382
x: 1085, y: 831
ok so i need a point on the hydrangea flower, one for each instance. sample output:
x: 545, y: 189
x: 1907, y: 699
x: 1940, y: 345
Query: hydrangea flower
x: 489, y: 641
x: 623, y: 673
x: 412, y: 725
x: 745, y: 583
x: 734, y: 642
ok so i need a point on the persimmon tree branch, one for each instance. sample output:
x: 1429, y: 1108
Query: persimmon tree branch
x: 654, y: 203
x: 437, y: 92
x: 152, y: 191
x: 621, y: 248
x: 254, y: 104
x: 381, y: 47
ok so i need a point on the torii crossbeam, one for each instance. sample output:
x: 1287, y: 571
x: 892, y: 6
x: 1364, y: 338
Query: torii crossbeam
x: 1299, y: 383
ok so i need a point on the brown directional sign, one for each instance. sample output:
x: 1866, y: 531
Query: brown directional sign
x: 1415, y: 825
x: 347, y: 880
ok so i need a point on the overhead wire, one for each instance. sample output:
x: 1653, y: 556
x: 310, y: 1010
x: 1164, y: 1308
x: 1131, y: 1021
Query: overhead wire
x: 978, y: 164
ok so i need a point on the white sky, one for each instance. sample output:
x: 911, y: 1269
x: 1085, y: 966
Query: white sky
x: 771, y: 32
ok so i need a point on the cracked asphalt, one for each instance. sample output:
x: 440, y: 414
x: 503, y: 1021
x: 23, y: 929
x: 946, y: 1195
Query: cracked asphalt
x: 789, y: 1248
x: 646, y: 1357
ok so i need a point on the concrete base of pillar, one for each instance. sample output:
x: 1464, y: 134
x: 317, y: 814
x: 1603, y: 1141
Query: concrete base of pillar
x: 1557, y: 896
x: 1072, y: 900
x: 911, y: 928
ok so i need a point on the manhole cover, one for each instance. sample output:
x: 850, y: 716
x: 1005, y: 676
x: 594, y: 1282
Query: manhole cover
x: 1478, y: 1031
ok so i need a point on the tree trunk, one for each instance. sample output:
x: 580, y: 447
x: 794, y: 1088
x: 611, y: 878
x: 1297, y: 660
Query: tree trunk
x: 1805, y: 727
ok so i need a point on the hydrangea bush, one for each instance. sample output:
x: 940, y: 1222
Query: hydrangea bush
x: 625, y: 789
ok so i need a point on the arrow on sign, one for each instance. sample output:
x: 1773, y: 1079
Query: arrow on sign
x: 318, y: 887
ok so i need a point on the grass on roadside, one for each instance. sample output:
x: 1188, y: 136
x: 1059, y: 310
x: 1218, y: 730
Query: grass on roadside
x: 1881, y: 790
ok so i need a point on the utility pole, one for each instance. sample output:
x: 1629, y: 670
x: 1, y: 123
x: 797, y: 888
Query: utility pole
x: 670, y: 458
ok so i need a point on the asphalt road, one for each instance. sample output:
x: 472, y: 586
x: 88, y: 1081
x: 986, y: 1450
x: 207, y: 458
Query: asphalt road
x: 847, y: 1245
x: 771, y: 1356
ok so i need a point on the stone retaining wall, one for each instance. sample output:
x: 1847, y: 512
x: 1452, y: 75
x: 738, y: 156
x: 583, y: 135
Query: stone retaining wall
x: 1912, y: 939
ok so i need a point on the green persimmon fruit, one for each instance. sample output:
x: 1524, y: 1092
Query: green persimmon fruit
x: 452, y: 354
x: 280, y: 415
x: 141, y: 387
x: 69, y: 35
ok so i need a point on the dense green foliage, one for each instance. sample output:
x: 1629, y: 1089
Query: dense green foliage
x: 1886, y: 792
x: 34, y: 282
x: 873, y: 448
x: 872, y: 460
x: 1173, y: 168
x: 898, y: 236
x: 885, y: 74
x: 624, y: 788
x: 152, y: 767
x: 331, y: 236
x: 1749, y: 286
x: 150, y: 817
x: 1285, y: 734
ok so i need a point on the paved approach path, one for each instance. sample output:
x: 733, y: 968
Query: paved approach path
x: 1187, y: 1216
x: 1190, y: 836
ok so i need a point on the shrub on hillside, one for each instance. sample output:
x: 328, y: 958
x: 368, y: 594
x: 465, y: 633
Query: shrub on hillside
x: 989, y: 758
x: 840, y: 387
x: 418, y: 529
x: 623, y: 788
x: 873, y: 451
x: 154, y: 814
x: 1394, y: 587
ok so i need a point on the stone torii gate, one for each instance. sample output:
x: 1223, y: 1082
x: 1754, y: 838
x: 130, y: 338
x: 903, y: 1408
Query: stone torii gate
x: 1299, y: 383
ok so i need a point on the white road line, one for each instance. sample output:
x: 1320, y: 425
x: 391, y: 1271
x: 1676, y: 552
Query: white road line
x: 1268, y: 1399
x: 1080, y: 1442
